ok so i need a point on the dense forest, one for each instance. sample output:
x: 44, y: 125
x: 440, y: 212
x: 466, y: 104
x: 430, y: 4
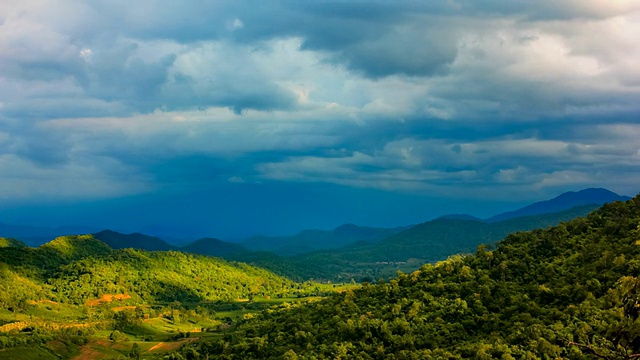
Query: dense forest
x: 569, y: 291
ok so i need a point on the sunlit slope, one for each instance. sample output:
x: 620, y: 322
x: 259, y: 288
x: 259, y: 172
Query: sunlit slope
x: 77, y: 269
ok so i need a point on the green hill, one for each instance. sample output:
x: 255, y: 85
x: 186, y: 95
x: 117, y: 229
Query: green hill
x: 75, y: 247
x: 571, y: 291
x: 163, y: 276
x: 76, y: 269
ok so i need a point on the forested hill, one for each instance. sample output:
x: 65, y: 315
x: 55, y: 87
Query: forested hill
x: 570, y: 291
x: 78, y: 269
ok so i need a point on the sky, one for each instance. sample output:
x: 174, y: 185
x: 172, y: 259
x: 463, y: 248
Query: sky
x: 234, y: 118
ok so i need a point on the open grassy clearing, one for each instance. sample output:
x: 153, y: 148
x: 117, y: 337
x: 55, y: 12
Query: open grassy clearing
x: 27, y: 354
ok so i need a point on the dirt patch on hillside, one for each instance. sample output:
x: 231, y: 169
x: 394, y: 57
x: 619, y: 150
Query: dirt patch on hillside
x: 101, y: 349
x: 171, y: 346
x: 89, y: 353
x: 107, y: 298
x: 120, y: 308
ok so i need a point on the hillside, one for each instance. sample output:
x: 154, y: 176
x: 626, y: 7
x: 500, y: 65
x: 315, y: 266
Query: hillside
x: 76, y: 298
x: 312, y: 240
x: 164, y: 276
x: 570, y: 291
x: 136, y: 241
x: 75, y: 247
x: 76, y: 269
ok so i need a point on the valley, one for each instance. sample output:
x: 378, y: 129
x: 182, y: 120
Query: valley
x: 463, y: 280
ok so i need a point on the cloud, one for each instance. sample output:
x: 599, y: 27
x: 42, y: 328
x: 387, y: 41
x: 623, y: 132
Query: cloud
x: 456, y: 97
x: 464, y: 168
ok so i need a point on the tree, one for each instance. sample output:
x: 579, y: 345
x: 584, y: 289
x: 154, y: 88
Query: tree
x: 135, y: 351
x: 620, y: 337
x: 116, y: 336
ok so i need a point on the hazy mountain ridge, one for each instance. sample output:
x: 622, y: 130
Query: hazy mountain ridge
x: 564, y: 201
x: 117, y: 240
x: 312, y: 240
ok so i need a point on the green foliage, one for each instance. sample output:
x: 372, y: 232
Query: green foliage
x: 135, y: 351
x: 165, y: 277
x: 117, y: 336
x: 571, y: 291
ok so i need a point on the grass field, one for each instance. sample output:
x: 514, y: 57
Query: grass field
x: 27, y: 354
x: 164, y: 327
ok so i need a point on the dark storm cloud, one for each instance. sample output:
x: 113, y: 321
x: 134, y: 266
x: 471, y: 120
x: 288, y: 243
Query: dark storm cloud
x: 461, y: 98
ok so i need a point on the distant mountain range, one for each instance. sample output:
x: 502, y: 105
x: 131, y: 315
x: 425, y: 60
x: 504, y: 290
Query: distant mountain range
x: 430, y: 240
x: 565, y: 201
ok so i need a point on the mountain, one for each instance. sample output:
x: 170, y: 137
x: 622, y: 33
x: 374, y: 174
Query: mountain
x: 459, y: 217
x: 136, y: 240
x: 312, y: 240
x: 40, y: 262
x: 74, y: 247
x: 214, y: 247
x: 570, y: 292
x: 565, y: 201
